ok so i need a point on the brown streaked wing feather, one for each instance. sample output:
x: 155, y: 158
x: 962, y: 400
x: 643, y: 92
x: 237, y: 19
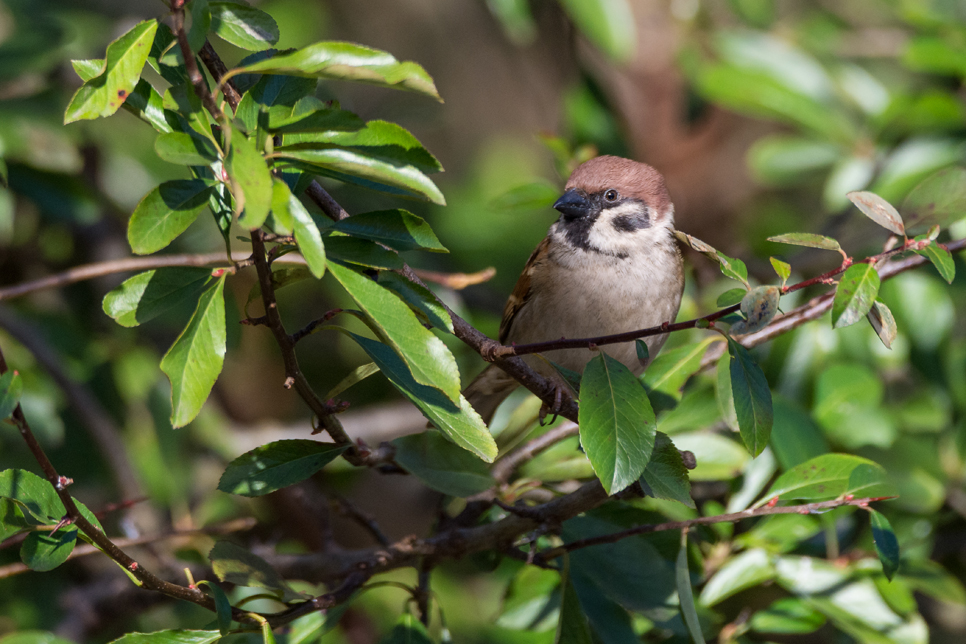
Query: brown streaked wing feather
x: 521, y: 292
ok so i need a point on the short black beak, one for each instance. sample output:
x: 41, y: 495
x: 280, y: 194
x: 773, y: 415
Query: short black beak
x: 574, y: 204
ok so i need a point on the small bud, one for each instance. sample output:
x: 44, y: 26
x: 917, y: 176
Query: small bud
x: 218, y: 272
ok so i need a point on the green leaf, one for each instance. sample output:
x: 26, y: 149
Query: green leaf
x: 11, y: 386
x: 730, y: 297
x: 200, y: 24
x: 697, y: 245
x: 271, y: 467
x: 12, y: 519
x: 939, y: 200
x: 381, y: 140
x: 251, y: 181
x: 459, y: 422
x: 617, y: 423
x: 306, y: 115
x: 886, y: 544
x: 790, y: 615
x: 194, y: 361
x: 441, y: 465
x: 408, y: 630
x: 419, y: 298
x: 43, y: 551
x: 234, y: 565
x: 149, y: 294
x: 572, y: 625
x: 288, y: 208
x: 357, y: 375
x: 185, y: 149
x: 430, y: 362
x: 685, y: 593
x: 33, y: 637
x: 166, y: 212
x: 665, y: 476
x: 783, y: 269
x: 222, y: 605
x: 348, y: 61
x: 759, y: 306
x: 748, y: 569
x: 105, y: 93
x: 941, y: 259
x: 243, y: 26
x: 854, y: 295
x: 362, y: 252
x: 671, y: 370
x: 830, y: 476
x: 643, y: 353
x: 363, y: 167
x: 878, y: 210
x: 399, y: 229
x: 733, y: 268
x: 528, y: 197
x: 143, y: 102
x: 608, y: 24
x: 752, y: 398
x: 37, y: 498
x: 883, y: 322
x: 170, y: 637
x: 809, y: 240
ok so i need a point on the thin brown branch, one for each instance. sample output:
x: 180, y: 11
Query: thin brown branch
x: 237, y: 525
x: 217, y: 69
x: 348, y: 509
x: 456, y: 281
x: 505, y: 466
x: 191, y: 65
x: 807, y: 508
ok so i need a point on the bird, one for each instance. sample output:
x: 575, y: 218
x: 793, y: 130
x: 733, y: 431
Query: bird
x: 609, y: 264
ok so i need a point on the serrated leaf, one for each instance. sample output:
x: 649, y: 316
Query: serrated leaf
x: 939, y: 200
x: 730, y: 297
x: 43, y: 551
x: 878, y: 210
x: 194, y: 361
x: 362, y: 167
x: 809, y: 240
x: 271, y: 467
x: 854, y: 295
x: 459, y: 422
x: 105, y: 93
x: 759, y: 306
x: 170, y: 637
x: 884, y: 324
x: 783, y: 269
x: 752, y: 398
x: 665, y: 476
x: 430, y: 362
x: 685, y: 592
x: 235, y: 565
x: 886, y: 544
x: 288, y: 208
x: 830, y: 476
x: 166, y: 212
x: 185, y: 149
x: 733, y: 268
x: 941, y: 259
x: 419, y: 298
x: 11, y: 386
x: 398, y: 229
x: 243, y: 26
x: 251, y: 181
x: 348, y: 61
x: 441, y: 465
x: 617, y: 424
x: 149, y: 294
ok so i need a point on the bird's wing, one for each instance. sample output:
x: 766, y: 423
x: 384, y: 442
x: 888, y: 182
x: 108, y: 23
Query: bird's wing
x: 522, y: 291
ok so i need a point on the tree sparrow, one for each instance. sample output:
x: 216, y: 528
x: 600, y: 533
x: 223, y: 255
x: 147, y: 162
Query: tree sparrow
x: 609, y: 264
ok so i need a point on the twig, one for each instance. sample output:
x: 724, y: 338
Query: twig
x: 364, y: 519
x: 313, y: 325
x: 191, y: 65
x: 456, y: 281
x: 504, y: 467
x: 237, y: 525
x: 614, y: 537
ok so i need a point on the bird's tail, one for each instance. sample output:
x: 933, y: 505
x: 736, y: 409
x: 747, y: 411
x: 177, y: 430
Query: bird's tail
x: 488, y: 390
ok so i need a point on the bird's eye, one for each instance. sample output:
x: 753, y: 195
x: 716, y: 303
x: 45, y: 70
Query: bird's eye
x: 611, y: 195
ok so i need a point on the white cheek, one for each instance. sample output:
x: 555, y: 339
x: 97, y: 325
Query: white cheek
x: 605, y: 236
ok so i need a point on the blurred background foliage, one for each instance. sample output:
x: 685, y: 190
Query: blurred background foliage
x: 761, y: 114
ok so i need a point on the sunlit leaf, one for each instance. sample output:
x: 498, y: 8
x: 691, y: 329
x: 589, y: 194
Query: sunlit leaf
x: 617, y: 424
x: 166, y: 212
x: 670, y: 370
x: 242, y: 25
x: 419, y: 298
x: 941, y: 259
x: 733, y: 268
x: 748, y: 569
x: 783, y: 269
x: 878, y: 210
x: 289, y: 209
x: 251, y: 181
x: 149, y: 294
x: 730, y: 297
x: 105, y: 93
x: 828, y: 477
x: 185, y: 149
x: 855, y: 294
x: 194, y: 361
x: 271, y: 467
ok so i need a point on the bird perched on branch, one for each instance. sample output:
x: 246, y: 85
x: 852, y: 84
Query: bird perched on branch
x: 609, y: 264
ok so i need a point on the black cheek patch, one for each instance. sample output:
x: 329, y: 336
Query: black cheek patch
x: 630, y: 223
